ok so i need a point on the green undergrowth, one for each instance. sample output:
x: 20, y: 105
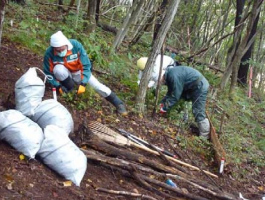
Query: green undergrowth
x: 243, y: 133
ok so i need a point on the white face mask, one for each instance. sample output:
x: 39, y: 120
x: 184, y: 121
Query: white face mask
x: 62, y: 53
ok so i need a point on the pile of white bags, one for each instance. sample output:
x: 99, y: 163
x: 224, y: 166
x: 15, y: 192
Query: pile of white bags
x: 62, y: 155
x: 20, y: 132
x: 29, y: 91
x: 23, y: 128
x: 51, y: 112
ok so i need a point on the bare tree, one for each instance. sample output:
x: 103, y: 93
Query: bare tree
x: 166, y: 23
x: 245, y: 44
x: 244, y: 65
x: 130, y: 17
x: 2, y: 16
x: 240, y: 45
x: 91, y: 14
x: 160, y: 15
x: 145, y: 22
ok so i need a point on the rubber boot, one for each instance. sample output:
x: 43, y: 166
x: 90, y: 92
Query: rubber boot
x: 68, y: 83
x: 114, y: 100
x: 204, y: 128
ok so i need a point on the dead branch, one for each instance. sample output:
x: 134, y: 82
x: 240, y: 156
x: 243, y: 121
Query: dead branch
x: 163, y: 185
x: 175, y: 152
x: 107, y: 27
x: 145, y: 184
x: 218, y: 194
x: 122, y: 164
x: 107, y: 134
x: 58, y: 5
x: 125, y: 193
x: 219, y: 150
x: 174, y: 189
x: 206, y: 174
x: 170, y: 163
x: 97, y: 144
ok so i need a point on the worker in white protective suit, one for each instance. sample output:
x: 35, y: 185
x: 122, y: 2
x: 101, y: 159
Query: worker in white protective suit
x: 167, y: 61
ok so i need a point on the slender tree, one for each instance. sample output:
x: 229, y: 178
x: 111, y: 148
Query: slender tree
x: 91, y: 14
x: 240, y: 42
x: 161, y: 35
x: 160, y: 16
x: 245, y: 44
x: 244, y: 65
x: 130, y: 17
x: 2, y: 16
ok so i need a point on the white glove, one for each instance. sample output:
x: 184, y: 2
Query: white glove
x: 151, y: 84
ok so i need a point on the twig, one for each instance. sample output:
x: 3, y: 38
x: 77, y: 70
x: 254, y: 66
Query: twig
x: 125, y: 193
x: 58, y: 5
x: 119, y: 164
x: 174, y: 189
x: 145, y: 184
x: 172, y: 147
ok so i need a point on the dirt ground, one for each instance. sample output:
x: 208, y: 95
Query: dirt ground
x: 31, y: 179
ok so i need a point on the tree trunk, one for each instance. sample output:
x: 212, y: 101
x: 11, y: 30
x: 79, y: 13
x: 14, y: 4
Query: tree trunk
x: 167, y: 21
x: 2, y: 17
x: 245, y: 44
x: 60, y: 7
x: 132, y: 14
x: 160, y: 16
x: 143, y: 21
x: 233, y: 48
x: 91, y: 15
x: 244, y: 65
x: 97, y: 11
x: 77, y: 12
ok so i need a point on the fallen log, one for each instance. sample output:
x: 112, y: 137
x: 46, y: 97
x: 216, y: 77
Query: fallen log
x: 107, y: 134
x: 126, y: 165
x: 99, y: 145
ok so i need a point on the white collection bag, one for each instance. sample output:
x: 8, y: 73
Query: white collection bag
x: 62, y: 155
x: 29, y: 91
x: 20, y: 132
x: 52, y: 112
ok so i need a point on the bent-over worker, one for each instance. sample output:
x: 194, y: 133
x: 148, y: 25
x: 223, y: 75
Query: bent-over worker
x: 189, y: 84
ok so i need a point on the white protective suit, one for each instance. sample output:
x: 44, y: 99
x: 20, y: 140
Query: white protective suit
x: 167, y: 60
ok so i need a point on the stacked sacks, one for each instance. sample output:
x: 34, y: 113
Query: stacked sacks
x: 20, y: 132
x: 54, y: 147
x: 62, y: 155
x: 51, y: 112
x: 29, y: 91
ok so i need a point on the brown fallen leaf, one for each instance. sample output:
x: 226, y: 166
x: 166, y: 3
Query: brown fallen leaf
x: 67, y: 183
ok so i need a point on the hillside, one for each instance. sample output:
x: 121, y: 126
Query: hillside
x: 242, y: 134
x: 30, y: 179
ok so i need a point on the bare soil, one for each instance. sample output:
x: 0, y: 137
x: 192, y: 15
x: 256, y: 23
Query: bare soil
x: 31, y: 179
